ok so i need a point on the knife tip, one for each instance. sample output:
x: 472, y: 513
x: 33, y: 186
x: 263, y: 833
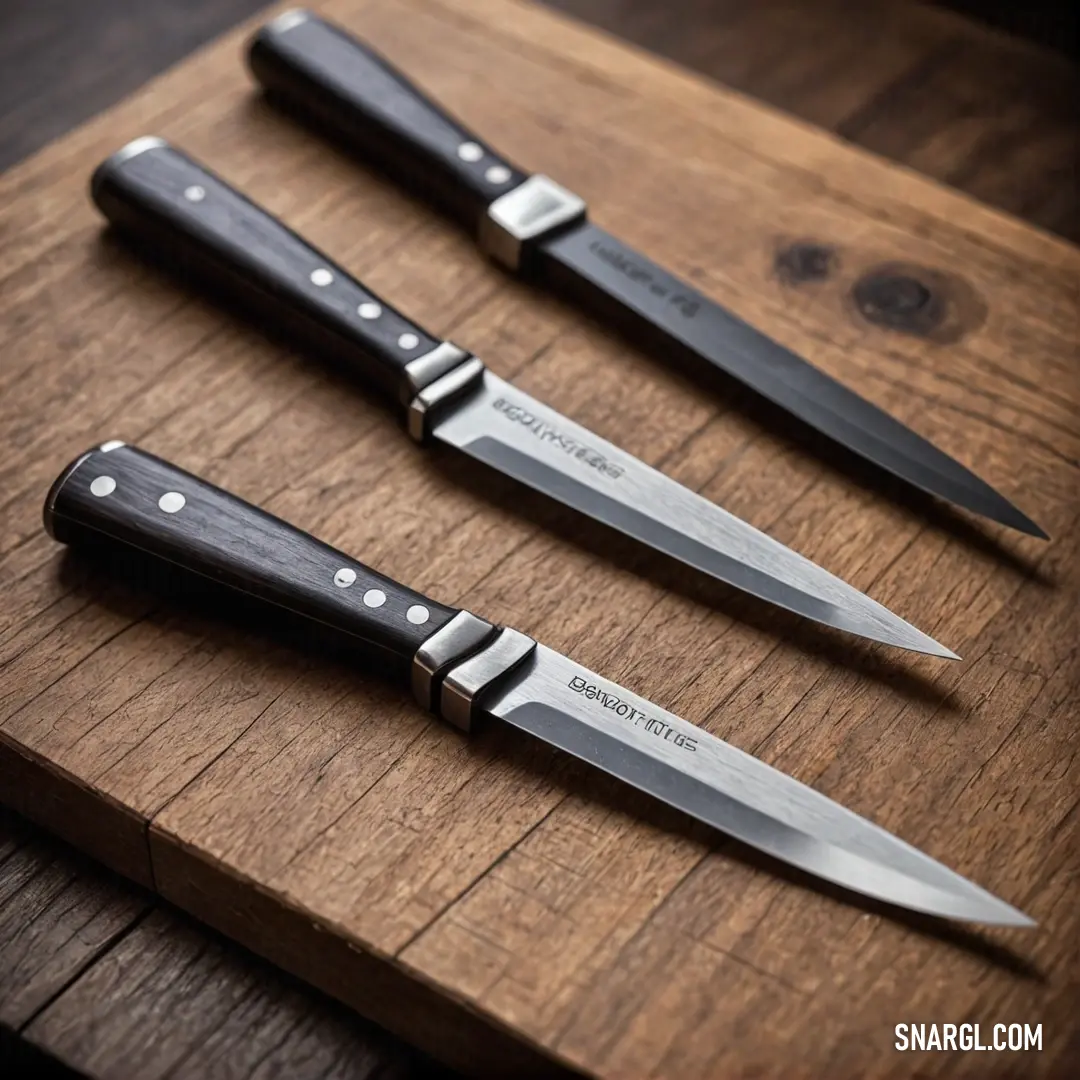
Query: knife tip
x: 1015, y: 518
x: 1006, y: 915
x: 918, y: 641
x: 1010, y: 515
x: 880, y: 624
x: 981, y: 906
x: 944, y: 653
x: 1032, y: 529
x: 925, y: 644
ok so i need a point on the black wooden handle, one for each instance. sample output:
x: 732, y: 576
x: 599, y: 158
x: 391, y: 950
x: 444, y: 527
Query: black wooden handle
x: 317, y: 69
x: 127, y: 495
x: 195, y: 222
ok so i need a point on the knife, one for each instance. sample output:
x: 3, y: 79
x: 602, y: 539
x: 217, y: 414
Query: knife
x: 538, y: 230
x: 463, y: 668
x: 207, y: 229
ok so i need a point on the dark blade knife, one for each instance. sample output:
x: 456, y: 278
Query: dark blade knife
x: 464, y: 669
x: 194, y: 220
x: 538, y: 230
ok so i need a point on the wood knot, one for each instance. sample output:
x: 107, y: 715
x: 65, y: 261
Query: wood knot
x: 917, y: 300
x: 892, y: 297
x: 800, y: 261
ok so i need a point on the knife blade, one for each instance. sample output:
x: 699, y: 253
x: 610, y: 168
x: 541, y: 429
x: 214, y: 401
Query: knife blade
x: 538, y: 230
x: 199, y: 224
x: 465, y: 669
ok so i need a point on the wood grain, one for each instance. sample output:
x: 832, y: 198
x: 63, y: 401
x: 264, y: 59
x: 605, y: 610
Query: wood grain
x: 988, y: 113
x: 109, y: 981
x: 985, y: 112
x: 488, y: 890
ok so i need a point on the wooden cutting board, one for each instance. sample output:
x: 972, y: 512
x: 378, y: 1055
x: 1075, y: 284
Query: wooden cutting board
x: 489, y: 900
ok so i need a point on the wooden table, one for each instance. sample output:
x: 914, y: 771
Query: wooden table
x: 107, y: 977
x: 709, y: 918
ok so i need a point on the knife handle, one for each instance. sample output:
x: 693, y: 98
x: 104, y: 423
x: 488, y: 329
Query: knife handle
x: 345, y: 85
x: 126, y: 495
x: 320, y: 71
x: 195, y: 222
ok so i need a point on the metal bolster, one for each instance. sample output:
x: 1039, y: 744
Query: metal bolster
x: 459, y: 638
x: 424, y: 370
x: 287, y: 20
x: 135, y: 148
x: 125, y: 153
x: 464, y: 683
x: 456, y: 382
x: 532, y: 210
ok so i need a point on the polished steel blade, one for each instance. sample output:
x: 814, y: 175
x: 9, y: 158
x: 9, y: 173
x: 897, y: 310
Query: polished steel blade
x: 523, y: 438
x: 594, y: 266
x: 570, y: 707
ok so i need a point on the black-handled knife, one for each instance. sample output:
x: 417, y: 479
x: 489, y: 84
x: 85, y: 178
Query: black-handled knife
x: 182, y: 212
x: 354, y: 91
x: 194, y: 220
x: 465, y: 669
x: 538, y: 229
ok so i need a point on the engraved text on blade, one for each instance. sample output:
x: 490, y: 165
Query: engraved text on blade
x: 546, y: 433
x: 659, y: 728
x: 640, y: 275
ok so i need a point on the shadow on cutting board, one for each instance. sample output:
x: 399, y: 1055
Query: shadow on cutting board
x: 207, y: 610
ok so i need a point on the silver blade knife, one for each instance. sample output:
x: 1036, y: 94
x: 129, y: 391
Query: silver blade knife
x: 193, y: 220
x: 463, y: 668
x: 538, y: 230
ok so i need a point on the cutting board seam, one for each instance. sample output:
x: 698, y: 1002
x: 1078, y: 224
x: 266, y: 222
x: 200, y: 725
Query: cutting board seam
x: 136, y: 865
x: 290, y: 906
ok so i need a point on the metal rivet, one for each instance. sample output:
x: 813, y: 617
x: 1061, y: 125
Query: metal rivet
x: 374, y: 598
x: 103, y: 485
x: 112, y: 444
x: 344, y: 577
x: 171, y: 502
x: 470, y: 151
x: 418, y: 614
x: 369, y: 310
x: 195, y: 193
x: 321, y: 277
x: 408, y: 341
x: 497, y: 174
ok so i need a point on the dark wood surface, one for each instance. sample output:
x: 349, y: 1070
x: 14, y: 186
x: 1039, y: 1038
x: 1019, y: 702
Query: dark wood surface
x: 989, y: 114
x: 993, y: 117
x: 1047, y: 22
x: 63, y: 61
x: 107, y: 979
